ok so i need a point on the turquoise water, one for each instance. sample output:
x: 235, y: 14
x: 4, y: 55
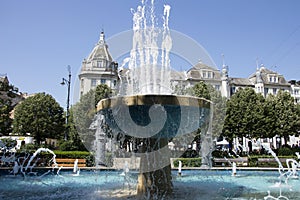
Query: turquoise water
x: 193, y: 184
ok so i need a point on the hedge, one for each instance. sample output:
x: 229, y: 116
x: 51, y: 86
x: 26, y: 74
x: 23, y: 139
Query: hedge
x: 188, y: 162
x: 253, y: 161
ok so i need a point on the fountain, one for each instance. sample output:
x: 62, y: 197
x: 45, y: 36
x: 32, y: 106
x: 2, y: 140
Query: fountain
x: 76, y: 170
x: 233, y: 169
x: 147, y: 112
x: 283, y: 177
x: 292, y: 165
x: 164, y: 122
x: 179, y: 167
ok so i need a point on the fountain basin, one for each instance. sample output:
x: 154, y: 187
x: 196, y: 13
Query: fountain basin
x: 154, y: 120
x: 149, y: 116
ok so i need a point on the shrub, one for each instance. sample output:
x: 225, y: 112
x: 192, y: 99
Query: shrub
x: 188, y: 162
x: 220, y: 154
x: 285, y: 151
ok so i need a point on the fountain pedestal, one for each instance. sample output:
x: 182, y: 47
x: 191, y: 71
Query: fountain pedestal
x: 154, y: 120
x: 155, y: 170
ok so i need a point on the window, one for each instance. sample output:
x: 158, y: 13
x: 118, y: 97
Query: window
x: 274, y: 91
x: 82, y: 83
x: 266, y: 91
x: 100, y: 63
x: 103, y: 81
x: 208, y: 74
x: 93, y: 82
x: 273, y: 79
x: 296, y: 91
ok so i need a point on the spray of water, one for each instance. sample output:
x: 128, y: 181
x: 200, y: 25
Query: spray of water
x: 39, y: 151
x: 149, y: 63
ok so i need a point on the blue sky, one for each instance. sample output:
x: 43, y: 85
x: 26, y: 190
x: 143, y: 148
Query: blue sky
x: 39, y: 38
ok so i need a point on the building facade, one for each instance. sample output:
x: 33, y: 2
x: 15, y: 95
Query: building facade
x: 98, y: 68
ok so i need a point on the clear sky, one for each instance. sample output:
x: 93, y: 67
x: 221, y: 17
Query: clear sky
x: 39, y: 38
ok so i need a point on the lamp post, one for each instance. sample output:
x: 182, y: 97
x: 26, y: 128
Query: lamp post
x: 68, y: 83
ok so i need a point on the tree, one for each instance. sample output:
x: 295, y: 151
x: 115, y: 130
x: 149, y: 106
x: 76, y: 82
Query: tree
x: 41, y: 116
x: 5, y: 120
x: 270, y: 116
x: 244, y: 115
x: 8, y: 99
x: 102, y: 91
x: 286, y: 115
x: 85, y: 110
x: 219, y: 104
x: 201, y: 90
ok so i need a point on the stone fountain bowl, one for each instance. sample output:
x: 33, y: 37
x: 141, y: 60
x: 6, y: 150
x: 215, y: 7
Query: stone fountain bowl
x: 154, y: 116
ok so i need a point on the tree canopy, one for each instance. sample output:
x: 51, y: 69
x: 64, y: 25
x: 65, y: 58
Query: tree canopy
x: 244, y: 116
x: 84, y: 112
x: 286, y: 116
x: 250, y: 115
x: 219, y: 104
x: 41, y: 116
x: 5, y: 120
x: 8, y: 99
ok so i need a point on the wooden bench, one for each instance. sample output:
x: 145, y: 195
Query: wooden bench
x: 271, y: 160
x: 69, y: 162
x: 242, y: 161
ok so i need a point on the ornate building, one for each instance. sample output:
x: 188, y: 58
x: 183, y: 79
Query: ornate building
x: 295, y: 90
x: 98, y: 68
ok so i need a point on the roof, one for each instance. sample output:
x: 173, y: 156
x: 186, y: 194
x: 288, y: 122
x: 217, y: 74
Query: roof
x: 265, y: 76
x: 240, y: 81
x: 201, y: 65
x: 196, y: 72
x: 177, y: 75
x: 100, y: 51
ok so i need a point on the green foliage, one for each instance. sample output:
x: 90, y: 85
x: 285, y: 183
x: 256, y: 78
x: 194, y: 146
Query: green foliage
x: 9, y: 143
x: 220, y: 154
x: 102, y: 91
x: 5, y: 120
x: 188, y: 162
x: 41, y: 116
x: 287, y: 118
x: 29, y: 148
x: 201, y: 90
x: 6, y: 87
x: 190, y: 153
x: 8, y: 99
x: 74, y: 142
x: 218, y: 104
x: 71, y: 145
x: 244, y: 115
x: 285, y: 151
x: 270, y: 119
x: 71, y: 154
x: 84, y: 112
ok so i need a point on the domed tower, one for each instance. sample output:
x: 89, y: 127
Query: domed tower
x: 98, y: 68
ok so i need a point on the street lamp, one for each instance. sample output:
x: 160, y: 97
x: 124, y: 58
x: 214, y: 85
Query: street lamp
x: 68, y: 83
